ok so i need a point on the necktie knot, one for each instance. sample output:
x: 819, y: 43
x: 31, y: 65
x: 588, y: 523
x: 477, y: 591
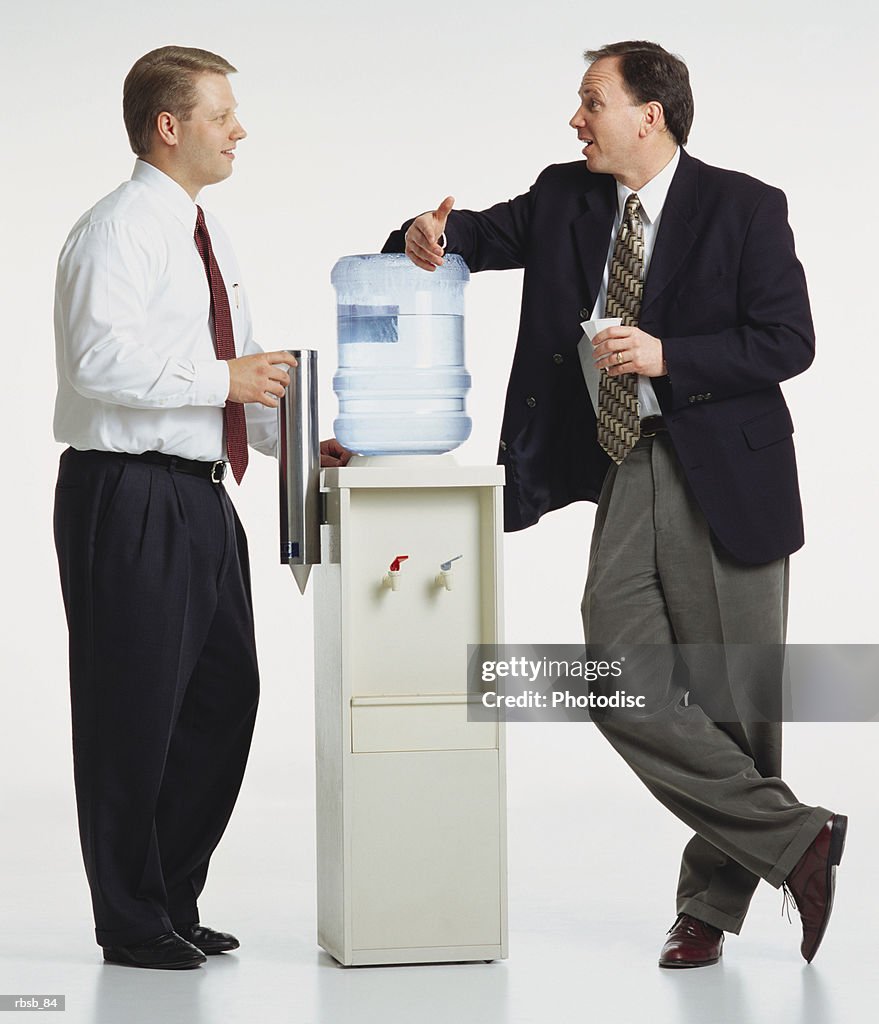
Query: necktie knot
x: 632, y: 212
x: 202, y: 238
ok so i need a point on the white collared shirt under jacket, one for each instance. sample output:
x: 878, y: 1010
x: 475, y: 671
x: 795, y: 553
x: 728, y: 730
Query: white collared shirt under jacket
x: 652, y: 197
x: 137, y: 368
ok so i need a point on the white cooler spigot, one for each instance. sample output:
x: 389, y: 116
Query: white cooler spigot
x: 445, y: 576
x: 392, y: 577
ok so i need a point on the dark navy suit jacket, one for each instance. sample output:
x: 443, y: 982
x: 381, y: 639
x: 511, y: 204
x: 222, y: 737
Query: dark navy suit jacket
x: 726, y: 295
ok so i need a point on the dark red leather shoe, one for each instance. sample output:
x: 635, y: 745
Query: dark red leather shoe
x: 813, y: 881
x: 691, y: 943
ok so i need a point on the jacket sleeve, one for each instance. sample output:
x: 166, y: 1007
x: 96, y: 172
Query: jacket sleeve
x: 492, y: 239
x: 774, y: 338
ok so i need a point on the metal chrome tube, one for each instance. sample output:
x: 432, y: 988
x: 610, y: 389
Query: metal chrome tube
x: 299, y: 467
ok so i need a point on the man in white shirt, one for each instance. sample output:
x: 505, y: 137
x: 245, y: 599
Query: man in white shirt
x: 153, y: 558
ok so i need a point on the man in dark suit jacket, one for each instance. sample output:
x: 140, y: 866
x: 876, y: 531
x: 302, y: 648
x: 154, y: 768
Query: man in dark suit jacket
x: 698, y: 512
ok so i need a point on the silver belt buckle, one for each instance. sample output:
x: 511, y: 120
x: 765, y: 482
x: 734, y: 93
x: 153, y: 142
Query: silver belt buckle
x: 218, y: 472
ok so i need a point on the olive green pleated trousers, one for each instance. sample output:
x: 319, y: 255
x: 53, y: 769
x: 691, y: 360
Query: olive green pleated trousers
x: 657, y: 577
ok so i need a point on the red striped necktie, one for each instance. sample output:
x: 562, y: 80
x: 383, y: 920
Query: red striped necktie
x: 234, y: 423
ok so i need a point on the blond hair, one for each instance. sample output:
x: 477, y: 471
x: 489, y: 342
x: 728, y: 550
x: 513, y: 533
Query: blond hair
x: 164, y: 80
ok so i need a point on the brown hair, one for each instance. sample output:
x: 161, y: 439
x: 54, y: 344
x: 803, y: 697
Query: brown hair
x: 652, y: 73
x: 164, y: 80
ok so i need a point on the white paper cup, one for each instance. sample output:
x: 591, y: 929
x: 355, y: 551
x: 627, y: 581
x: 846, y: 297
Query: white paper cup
x: 593, y: 327
x: 587, y: 359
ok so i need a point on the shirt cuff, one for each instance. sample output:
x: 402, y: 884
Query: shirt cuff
x: 211, y: 382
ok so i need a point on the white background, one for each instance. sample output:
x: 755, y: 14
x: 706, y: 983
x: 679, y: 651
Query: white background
x: 361, y: 115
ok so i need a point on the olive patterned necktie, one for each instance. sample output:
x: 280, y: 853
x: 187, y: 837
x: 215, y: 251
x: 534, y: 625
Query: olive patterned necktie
x: 619, y: 420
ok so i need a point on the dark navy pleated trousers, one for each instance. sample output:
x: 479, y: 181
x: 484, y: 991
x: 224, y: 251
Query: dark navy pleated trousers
x: 163, y: 681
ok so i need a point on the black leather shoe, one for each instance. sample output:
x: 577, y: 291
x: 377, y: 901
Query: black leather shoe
x: 208, y: 940
x: 168, y: 952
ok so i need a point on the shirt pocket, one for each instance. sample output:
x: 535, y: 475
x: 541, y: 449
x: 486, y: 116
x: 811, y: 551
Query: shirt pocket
x: 238, y: 310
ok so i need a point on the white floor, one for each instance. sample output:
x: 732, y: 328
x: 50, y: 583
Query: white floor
x: 592, y: 875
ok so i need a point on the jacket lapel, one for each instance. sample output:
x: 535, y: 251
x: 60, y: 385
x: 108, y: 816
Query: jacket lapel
x: 677, y: 231
x: 592, y: 234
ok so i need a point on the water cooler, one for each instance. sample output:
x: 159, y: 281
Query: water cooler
x: 411, y: 818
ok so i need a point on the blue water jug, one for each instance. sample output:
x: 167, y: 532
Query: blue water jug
x: 401, y: 381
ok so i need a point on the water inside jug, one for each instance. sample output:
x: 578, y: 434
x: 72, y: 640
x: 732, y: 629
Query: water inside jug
x: 401, y: 381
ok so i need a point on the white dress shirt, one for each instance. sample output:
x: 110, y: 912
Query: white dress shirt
x: 652, y: 197
x: 137, y: 369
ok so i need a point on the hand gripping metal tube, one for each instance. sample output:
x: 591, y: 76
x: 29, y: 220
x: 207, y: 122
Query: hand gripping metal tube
x: 299, y: 468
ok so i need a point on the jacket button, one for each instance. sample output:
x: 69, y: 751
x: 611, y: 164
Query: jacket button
x: 558, y: 358
x: 708, y: 396
x: 584, y: 313
x: 531, y: 401
x: 503, y: 446
x: 691, y: 399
